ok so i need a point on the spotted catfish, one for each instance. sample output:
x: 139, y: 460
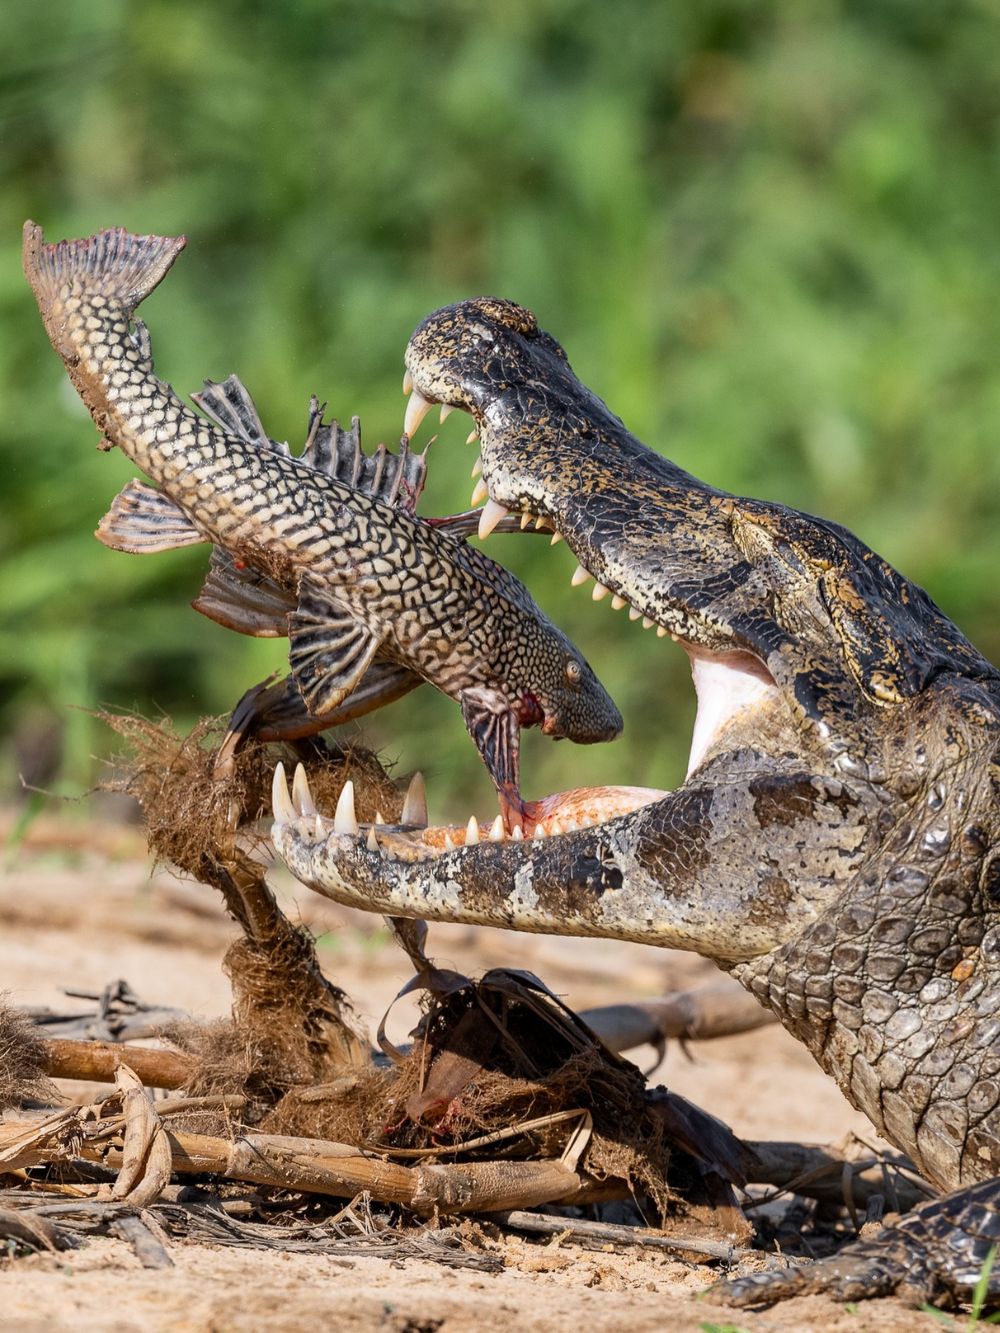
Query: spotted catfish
x: 369, y: 581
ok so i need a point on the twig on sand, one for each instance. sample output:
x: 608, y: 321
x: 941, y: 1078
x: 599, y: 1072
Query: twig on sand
x: 694, y: 1015
x: 609, y: 1233
x: 147, y: 1246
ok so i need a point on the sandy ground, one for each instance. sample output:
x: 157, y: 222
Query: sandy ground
x: 80, y: 907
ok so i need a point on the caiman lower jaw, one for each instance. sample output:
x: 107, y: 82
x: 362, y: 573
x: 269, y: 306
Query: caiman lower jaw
x: 414, y: 840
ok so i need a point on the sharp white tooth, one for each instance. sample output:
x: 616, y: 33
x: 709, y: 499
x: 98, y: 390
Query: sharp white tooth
x: 480, y: 493
x: 647, y: 623
x: 538, y: 834
x: 571, y: 826
x: 599, y: 592
x: 407, y: 382
x: 555, y: 827
x: 541, y: 523
x: 472, y: 436
x: 416, y: 409
x: 496, y: 830
x: 446, y: 411
x: 449, y: 843
x: 517, y: 835
x: 661, y: 633
x: 580, y: 575
x: 490, y: 517
x: 345, y: 820
x: 318, y: 825
x: 525, y: 521
x: 477, y: 467
x: 634, y: 613
x: 415, y: 805
x: 618, y: 602
x: 301, y: 795
x: 372, y: 843
x: 281, y: 803
x: 472, y: 832
x: 556, y: 537
x: 379, y: 817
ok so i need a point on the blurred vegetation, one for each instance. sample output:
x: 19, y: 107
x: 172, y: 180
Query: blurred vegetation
x: 767, y: 235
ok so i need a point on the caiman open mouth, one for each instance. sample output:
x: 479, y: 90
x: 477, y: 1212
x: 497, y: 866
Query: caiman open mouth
x: 728, y: 685
x: 412, y: 839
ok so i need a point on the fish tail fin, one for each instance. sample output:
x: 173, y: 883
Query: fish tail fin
x: 114, y: 264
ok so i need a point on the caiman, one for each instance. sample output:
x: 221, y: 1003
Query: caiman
x: 836, y: 842
x: 364, y: 581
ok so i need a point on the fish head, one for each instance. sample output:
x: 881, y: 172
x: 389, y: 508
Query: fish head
x: 566, y: 700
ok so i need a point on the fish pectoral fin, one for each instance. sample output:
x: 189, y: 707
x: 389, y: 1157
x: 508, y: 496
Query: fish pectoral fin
x: 142, y: 521
x: 279, y: 713
x: 383, y: 683
x: 493, y: 725
x: 329, y: 649
x: 230, y: 406
x: 243, y: 599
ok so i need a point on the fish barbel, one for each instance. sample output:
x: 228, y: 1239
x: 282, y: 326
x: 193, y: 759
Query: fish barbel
x: 370, y: 582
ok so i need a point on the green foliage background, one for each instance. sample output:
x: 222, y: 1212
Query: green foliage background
x: 767, y: 235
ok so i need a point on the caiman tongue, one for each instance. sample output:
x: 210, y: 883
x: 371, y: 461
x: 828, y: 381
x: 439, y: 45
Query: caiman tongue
x: 565, y: 811
x: 562, y: 812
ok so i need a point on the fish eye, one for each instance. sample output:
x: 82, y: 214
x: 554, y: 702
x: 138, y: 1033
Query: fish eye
x: 573, y: 672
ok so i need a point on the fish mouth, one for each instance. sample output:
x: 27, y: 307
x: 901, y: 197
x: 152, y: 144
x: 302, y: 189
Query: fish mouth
x: 733, y: 688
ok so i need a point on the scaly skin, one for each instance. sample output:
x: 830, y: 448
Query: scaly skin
x: 837, y: 844
x: 369, y: 579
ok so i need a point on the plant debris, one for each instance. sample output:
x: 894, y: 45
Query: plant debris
x: 505, y: 1100
x: 23, y: 1059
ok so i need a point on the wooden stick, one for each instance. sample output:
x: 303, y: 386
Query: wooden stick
x: 694, y: 1015
x: 97, y: 1061
x: 610, y: 1233
x: 817, y: 1173
x: 317, y: 1166
x: 147, y: 1247
x: 29, y: 1229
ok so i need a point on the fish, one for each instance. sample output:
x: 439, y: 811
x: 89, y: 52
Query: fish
x: 372, y: 584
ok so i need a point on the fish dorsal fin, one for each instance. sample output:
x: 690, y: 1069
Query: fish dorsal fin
x: 329, y: 648
x: 142, y: 521
x: 393, y: 479
x: 243, y: 599
x: 230, y: 406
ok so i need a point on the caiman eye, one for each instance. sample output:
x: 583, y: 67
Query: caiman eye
x: 573, y: 672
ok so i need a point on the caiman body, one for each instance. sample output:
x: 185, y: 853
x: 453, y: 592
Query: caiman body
x: 836, y: 844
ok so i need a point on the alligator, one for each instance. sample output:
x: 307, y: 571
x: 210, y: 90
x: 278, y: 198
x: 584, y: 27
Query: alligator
x: 835, y: 844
